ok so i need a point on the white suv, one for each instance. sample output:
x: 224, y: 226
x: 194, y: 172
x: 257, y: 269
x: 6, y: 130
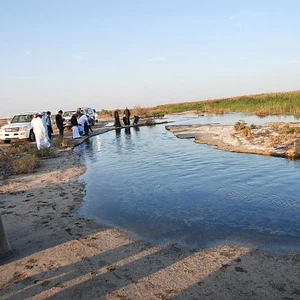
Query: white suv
x: 18, y: 128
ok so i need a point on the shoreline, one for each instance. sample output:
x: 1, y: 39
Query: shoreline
x: 56, y: 254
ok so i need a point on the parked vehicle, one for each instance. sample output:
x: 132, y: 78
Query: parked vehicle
x: 67, y: 115
x: 86, y: 110
x: 92, y: 114
x: 18, y: 128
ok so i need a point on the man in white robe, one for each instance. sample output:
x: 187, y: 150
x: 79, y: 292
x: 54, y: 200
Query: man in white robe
x: 81, y: 122
x: 40, y: 132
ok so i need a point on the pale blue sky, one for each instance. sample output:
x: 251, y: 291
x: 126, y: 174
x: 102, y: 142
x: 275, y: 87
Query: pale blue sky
x: 116, y: 53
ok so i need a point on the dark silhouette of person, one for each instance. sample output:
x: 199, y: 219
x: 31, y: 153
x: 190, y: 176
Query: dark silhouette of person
x: 117, y: 119
x: 127, y: 116
x: 60, y: 123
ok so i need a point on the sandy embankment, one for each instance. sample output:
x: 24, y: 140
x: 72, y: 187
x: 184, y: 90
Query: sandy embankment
x: 58, y: 255
x: 264, y: 139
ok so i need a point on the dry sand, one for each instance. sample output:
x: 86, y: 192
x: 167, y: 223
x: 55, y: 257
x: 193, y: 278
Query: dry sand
x: 56, y: 255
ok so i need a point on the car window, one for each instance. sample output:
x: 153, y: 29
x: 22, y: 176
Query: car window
x: 21, y: 119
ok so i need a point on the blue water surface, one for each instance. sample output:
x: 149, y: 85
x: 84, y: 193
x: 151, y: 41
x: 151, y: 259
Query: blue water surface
x: 163, y: 189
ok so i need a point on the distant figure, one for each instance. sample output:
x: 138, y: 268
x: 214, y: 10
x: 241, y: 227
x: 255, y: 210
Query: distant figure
x: 127, y: 115
x: 49, y: 124
x: 74, y: 124
x: 117, y: 118
x: 60, y: 123
x: 135, y: 119
x: 39, y: 130
x: 124, y: 120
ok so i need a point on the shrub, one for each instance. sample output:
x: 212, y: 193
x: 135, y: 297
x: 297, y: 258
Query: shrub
x: 61, y: 142
x: 243, y: 128
x: 17, y: 149
x: 24, y: 164
x: 44, y: 152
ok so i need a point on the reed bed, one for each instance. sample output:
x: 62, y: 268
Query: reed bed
x: 262, y: 105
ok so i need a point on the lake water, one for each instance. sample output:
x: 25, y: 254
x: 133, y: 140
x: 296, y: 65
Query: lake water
x: 163, y: 189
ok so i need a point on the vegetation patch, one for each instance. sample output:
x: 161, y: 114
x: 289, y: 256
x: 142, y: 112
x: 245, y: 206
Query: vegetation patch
x: 61, y: 143
x: 24, y: 164
x: 243, y: 129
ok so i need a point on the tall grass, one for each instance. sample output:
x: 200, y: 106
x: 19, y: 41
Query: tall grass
x: 262, y: 105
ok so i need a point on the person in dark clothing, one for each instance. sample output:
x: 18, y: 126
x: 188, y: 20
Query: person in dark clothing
x: 127, y: 116
x: 124, y: 120
x: 117, y: 119
x: 90, y: 122
x: 74, y: 124
x: 60, y: 123
x: 49, y: 124
x: 135, y: 119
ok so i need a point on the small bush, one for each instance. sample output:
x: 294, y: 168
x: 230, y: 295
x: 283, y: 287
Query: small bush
x: 238, y: 126
x: 24, y: 164
x: 286, y: 129
x: 17, y: 149
x: 261, y: 114
x: 243, y: 128
x: 246, y: 132
x: 44, y: 152
x: 61, y: 143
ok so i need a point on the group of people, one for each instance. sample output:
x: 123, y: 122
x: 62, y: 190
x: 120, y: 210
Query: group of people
x: 81, y: 123
x: 126, y: 118
x: 42, y: 127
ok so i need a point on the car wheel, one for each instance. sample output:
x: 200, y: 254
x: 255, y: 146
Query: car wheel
x: 31, y: 136
x: 7, y: 141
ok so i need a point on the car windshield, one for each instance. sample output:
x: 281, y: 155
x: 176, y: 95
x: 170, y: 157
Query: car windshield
x: 21, y: 118
x: 69, y: 113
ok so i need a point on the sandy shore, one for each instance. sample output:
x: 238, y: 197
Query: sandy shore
x: 56, y: 255
x: 264, y: 140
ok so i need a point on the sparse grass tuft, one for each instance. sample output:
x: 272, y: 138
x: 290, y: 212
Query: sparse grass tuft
x: 243, y: 129
x: 44, y: 152
x: 286, y: 129
x: 61, y: 143
x: 16, y: 149
x: 24, y: 164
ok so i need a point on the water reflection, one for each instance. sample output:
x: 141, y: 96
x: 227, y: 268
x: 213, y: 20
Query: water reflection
x: 161, y: 188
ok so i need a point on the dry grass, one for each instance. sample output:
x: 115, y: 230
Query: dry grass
x: 286, y: 129
x: 61, y: 143
x: 243, y: 129
x: 24, y: 164
x: 16, y: 149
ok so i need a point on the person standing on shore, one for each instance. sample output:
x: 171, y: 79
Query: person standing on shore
x: 117, y: 118
x: 127, y: 116
x: 49, y: 124
x: 83, y: 124
x: 40, y: 133
x: 60, y: 123
x: 74, y: 124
